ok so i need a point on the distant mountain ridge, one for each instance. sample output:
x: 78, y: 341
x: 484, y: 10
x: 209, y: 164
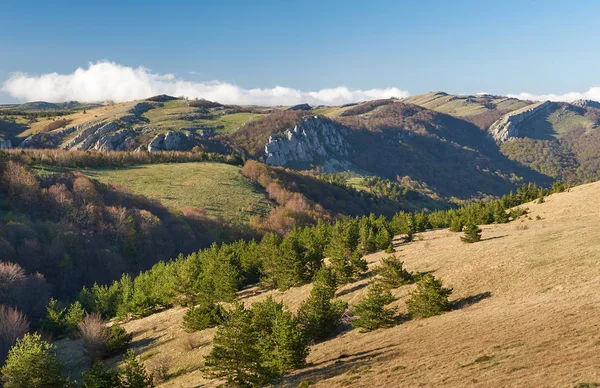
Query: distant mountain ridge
x: 463, y: 145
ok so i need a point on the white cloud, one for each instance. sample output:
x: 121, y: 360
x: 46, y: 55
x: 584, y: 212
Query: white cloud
x: 592, y: 94
x: 109, y: 81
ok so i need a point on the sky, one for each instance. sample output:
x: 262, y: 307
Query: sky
x: 320, y: 52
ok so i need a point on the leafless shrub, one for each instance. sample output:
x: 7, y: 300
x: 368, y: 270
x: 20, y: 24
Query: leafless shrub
x: 189, y: 343
x: 95, y: 336
x: 12, y: 276
x: 13, y: 325
x: 161, y: 371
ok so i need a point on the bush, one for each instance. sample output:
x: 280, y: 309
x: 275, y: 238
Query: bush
x: 100, y: 341
x: 472, y: 233
x: 203, y: 316
x: 392, y: 273
x: 429, y: 299
x: 371, y: 311
x: 95, y: 336
x: 32, y: 363
x: 13, y: 325
x: 118, y: 340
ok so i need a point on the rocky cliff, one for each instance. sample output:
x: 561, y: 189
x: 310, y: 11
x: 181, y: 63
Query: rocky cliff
x: 312, y: 139
x: 172, y: 141
x: 508, y: 126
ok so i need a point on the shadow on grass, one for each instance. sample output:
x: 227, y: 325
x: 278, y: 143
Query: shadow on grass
x: 352, y: 289
x: 145, y: 344
x: 492, y: 238
x: 338, y: 366
x: 470, y: 300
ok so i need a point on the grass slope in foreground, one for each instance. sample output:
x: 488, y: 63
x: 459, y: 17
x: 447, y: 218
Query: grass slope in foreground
x: 525, y: 313
x: 218, y: 188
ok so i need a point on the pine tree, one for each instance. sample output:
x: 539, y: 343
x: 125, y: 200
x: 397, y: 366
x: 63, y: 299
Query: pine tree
x: 235, y: 355
x: 133, y: 374
x: 203, y: 316
x: 32, y: 363
x: 472, y: 233
x: 384, y: 238
x: 289, y: 263
x: 54, y: 320
x: 318, y: 315
x: 371, y: 311
x: 98, y: 377
x: 73, y: 316
x: 367, y: 243
x: 269, y: 251
x: 500, y: 215
x: 280, y: 341
x: 392, y: 273
x: 456, y: 224
x: 429, y: 299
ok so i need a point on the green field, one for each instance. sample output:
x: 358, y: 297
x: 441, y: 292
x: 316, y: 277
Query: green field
x: 218, y: 188
x: 169, y: 117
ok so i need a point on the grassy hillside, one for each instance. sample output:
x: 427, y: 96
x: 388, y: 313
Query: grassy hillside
x: 523, y: 313
x: 219, y: 189
x: 465, y: 105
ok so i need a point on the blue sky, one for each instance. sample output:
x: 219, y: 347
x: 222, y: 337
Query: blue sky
x: 537, y: 47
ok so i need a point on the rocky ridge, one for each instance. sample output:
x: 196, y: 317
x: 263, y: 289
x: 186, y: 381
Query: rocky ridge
x: 507, y: 127
x: 312, y: 139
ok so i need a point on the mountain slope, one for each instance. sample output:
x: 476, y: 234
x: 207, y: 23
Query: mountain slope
x: 524, y: 314
x: 558, y: 139
x: 481, y: 109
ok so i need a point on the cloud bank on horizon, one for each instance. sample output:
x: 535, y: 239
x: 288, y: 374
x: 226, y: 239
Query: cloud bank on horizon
x: 109, y: 81
x: 592, y: 94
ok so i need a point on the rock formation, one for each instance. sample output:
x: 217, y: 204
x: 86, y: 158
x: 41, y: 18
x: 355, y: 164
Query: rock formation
x: 586, y: 104
x: 172, y: 141
x: 508, y: 126
x: 312, y: 139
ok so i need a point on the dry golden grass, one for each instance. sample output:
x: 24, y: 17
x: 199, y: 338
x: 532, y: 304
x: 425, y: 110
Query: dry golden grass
x: 527, y: 312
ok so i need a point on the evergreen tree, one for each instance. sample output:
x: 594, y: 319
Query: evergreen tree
x: 280, y: 341
x: 371, y: 311
x: 73, y: 316
x: 32, y: 363
x: 392, y: 273
x: 313, y: 243
x: 367, y: 242
x: 98, y: 377
x: 235, y: 355
x: 54, y: 321
x: 456, y: 224
x: 206, y: 314
x: 429, y: 299
x: 318, y: 315
x: 289, y: 265
x: 384, y: 238
x: 133, y: 374
x: 269, y: 251
x: 472, y: 233
x: 500, y: 215
x: 187, y: 272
